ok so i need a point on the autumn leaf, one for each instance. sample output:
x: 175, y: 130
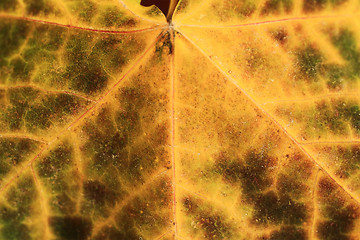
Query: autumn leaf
x: 234, y: 119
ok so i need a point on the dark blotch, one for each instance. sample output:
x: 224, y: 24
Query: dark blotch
x: 252, y: 174
x: 326, y: 187
x: 71, y: 227
x: 314, y: 5
x: 273, y: 208
x: 317, y: 5
x: 110, y: 233
x: 95, y: 190
x: 275, y: 6
x: 340, y: 223
x: 280, y: 35
x: 8, y: 5
x: 37, y: 7
x: 354, y: 113
x: 84, y: 69
x: 288, y: 233
x: 189, y: 205
x: 212, y: 224
x: 55, y: 162
x: 13, y: 152
x: 289, y: 185
x: 162, y: 5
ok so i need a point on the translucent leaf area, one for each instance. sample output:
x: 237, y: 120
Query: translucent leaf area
x: 239, y: 119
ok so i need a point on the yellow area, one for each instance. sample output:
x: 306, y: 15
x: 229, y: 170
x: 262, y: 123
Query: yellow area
x: 238, y: 120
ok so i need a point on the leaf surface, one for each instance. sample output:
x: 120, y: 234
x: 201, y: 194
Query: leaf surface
x: 237, y: 120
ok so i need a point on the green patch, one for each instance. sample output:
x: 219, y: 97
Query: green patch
x: 20, y: 99
x: 47, y: 38
x: 20, y: 198
x: 41, y: 50
x: 113, y: 60
x: 346, y: 42
x: 12, y: 35
x: 20, y: 70
x: 16, y: 231
x: 330, y: 119
x: 164, y: 44
x: 52, y: 109
x: 2, y: 98
x: 85, y: 10
x: 335, y: 75
x: 349, y: 112
x: 309, y: 63
x: 244, y: 8
x: 154, y: 11
x: 255, y: 59
x: 113, y: 17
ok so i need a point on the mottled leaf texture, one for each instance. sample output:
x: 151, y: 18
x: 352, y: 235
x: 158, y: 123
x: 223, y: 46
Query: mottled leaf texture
x: 236, y: 119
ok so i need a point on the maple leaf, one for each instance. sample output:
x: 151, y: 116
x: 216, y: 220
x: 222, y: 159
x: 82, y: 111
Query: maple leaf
x: 232, y: 119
